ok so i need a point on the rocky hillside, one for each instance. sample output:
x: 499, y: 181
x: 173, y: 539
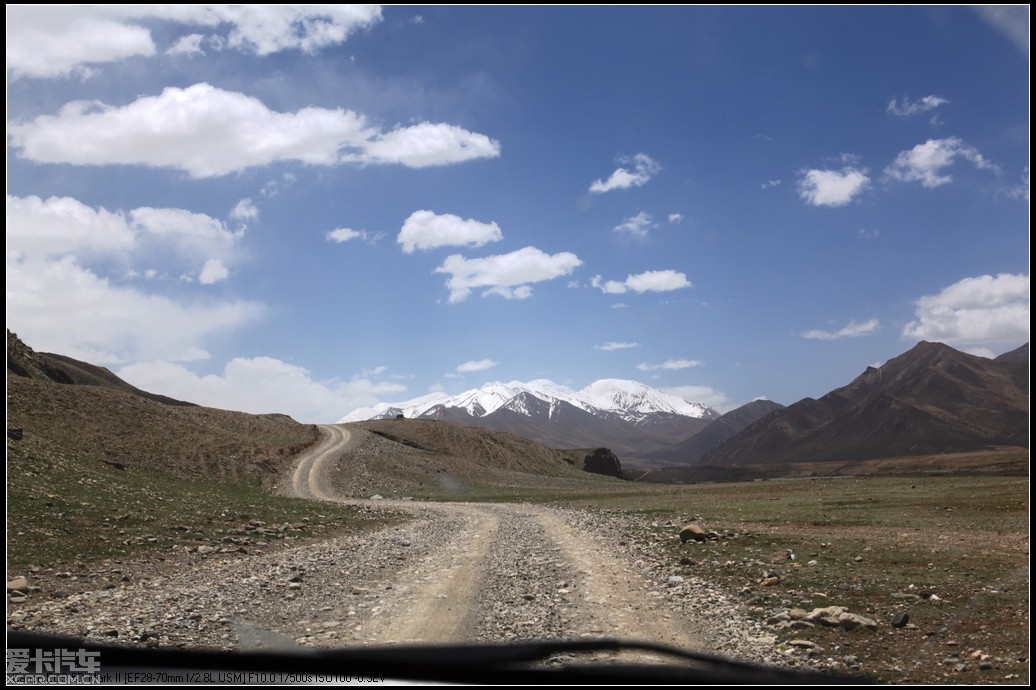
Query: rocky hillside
x: 932, y: 399
x: 25, y: 362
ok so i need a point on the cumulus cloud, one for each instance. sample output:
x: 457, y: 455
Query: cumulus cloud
x: 926, y: 162
x: 670, y: 364
x: 213, y: 272
x: 637, y: 225
x: 639, y: 170
x: 59, y: 306
x: 507, y: 275
x: 980, y: 310
x: 649, y: 281
x: 675, y: 217
x: 853, y: 330
x: 209, y: 132
x: 611, y: 346
x: 832, y: 187
x: 62, y: 225
x: 426, y: 230
x: 59, y: 41
x: 904, y: 107
x: 261, y: 385
x: 342, y: 235
x: 476, y: 365
x: 245, y: 210
x: 427, y: 144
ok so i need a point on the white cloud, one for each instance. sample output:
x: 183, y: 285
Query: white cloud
x: 643, y: 169
x: 831, y: 187
x: 213, y: 272
x: 611, y: 346
x: 637, y: 225
x: 260, y: 385
x: 649, y: 281
x: 670, y: 364
x: 770, y: 183
x: 427, y: 144
x: 505, y: 274
x: 853, y: 330
x: 981, y: 310
x: 675, y: 217
x: 905, y: 107
x: 208, y: 132
x: 62, y: 225
x: 925, y: 162
x: 342, y: 235
x: 426, y: 230
x: 476, y: 365
x: 245, y: 210
x: 43, y: 43
x: 57, y: 41
x: 701, y: 394
x: 59, y: 306
x: 189, y: 45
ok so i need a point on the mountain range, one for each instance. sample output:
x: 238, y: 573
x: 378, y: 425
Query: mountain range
x: 930, y: 401
x: 634, y: 420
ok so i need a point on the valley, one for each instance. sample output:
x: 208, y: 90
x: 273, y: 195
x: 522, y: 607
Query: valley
x: 149, y: 522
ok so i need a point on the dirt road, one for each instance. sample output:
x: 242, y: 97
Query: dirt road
x: 480, y: 571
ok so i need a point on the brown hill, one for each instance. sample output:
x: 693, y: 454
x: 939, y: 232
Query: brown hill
x: 426, y: 457
x: 930, y: 400
x: 26, y: 362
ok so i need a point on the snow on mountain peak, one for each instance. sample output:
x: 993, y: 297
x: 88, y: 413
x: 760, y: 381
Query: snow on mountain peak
x: 630, y: 399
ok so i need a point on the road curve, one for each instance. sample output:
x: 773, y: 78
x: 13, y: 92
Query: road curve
x: 309, y: 479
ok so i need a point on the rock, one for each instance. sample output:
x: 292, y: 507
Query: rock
x: 673, y: 580
x: 16, y: 600
x: 692, y: 531
x: 797, y: 614
x: 19, y: 583
x: 377, y: 497
x: 900, y: 619
x: 802, y: 644
x: 849, y: 621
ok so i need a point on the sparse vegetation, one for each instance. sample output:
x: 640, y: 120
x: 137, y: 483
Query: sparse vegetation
x: 874, y: 545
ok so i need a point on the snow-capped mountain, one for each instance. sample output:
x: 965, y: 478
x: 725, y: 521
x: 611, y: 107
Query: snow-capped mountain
x: 632, y: 419
x: 630, y: 400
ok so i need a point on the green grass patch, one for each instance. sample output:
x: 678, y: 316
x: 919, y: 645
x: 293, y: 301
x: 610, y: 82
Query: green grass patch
x: 65, y: 509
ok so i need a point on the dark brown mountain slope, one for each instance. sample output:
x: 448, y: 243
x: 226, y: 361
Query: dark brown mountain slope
x: 24, y: 361
x: 931, y: 399
x: 727, y: 426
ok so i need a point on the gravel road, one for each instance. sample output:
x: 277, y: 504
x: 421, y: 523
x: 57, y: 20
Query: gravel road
x: 455, y: 572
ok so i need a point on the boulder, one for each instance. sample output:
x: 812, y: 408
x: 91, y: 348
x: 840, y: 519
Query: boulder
x: 692, y: 531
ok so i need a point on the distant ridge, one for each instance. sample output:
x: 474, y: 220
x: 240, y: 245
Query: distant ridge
x: 932, y: 399
x: 630, y: 418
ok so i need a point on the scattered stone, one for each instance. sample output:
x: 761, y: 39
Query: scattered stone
x: 377, y: 497
x: 900, y: 619
x: 802, y: 644
x: 673, y: 580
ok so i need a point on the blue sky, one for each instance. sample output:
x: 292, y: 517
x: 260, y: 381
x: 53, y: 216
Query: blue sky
x: 307, y: 210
